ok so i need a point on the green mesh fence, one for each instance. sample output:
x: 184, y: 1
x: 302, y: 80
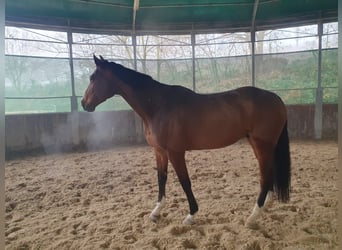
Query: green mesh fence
x: 35, y: 77
x: 294, y: 75
x: 43, y: 84
x: 173, y: 72
x: 221, y: 74
x: 291, y: 75
x: 51, y: 105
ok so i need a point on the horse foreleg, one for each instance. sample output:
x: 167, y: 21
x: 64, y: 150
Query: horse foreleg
x: 178, y: 161
x: 162, y: 162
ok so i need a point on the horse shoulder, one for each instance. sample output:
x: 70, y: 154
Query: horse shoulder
x: 156, y: 129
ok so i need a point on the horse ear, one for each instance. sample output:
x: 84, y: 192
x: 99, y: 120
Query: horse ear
x: 97, y: 60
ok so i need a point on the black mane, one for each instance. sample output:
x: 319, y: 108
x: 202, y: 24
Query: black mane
x: 130, y: 76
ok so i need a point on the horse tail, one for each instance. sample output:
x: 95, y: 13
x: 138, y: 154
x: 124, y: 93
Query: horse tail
x: 282, y: 167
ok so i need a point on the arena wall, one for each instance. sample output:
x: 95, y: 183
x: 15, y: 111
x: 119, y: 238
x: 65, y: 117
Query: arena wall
x: 301, y: 121
x: 68, y: 131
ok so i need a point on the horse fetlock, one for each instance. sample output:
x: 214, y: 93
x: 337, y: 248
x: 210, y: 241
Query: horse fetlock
x: 155, y: 214
x: 269, y: 200
x: 252, y: 219
x: 189, y: 220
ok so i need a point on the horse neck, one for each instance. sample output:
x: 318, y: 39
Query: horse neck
x: 140, y: 96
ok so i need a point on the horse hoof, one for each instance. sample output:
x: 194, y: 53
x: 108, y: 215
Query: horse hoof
x: 189, y: 220
x: 154, y: 217
x: 252, y: 225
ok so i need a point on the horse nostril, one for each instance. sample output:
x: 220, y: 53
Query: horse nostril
x: 84, y: 105
x: 87, y: 107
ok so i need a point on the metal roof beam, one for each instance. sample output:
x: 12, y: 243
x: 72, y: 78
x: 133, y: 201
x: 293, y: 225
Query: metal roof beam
x: 135, y: 9
x: 255, y: 9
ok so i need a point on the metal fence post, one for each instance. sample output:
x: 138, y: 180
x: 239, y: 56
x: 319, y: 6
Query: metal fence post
x: 2, y: 124
x: 193, y: 58
x: 255, y: 10
x: 74, y: 116
x: 253, y: 55
x: 318, y: 120
x: 74, y: 106
x: 137, y: 120
x: 339, y: 186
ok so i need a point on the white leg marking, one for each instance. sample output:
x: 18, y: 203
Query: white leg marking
x: 269, y: 199
x: 251, y: 221
x: 155, y: 214
x: 189, y: 220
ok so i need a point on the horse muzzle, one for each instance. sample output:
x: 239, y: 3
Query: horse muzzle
x: 87, y: 107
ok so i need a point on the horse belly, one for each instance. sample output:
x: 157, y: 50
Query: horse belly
x: 210, y: 136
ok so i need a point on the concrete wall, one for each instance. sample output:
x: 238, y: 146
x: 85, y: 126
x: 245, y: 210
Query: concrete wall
x: 64, y: 131
x: 301, y: 121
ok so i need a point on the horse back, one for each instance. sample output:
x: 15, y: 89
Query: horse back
x: 187, y: 120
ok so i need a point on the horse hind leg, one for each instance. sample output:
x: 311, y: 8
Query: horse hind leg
x: 264, y: 154
x: 269, y: 199
x: 258, y: 208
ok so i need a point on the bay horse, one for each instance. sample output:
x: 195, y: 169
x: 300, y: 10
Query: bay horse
x: 177, y: 119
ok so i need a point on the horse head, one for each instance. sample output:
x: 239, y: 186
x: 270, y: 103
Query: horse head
x: 100, y: 87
